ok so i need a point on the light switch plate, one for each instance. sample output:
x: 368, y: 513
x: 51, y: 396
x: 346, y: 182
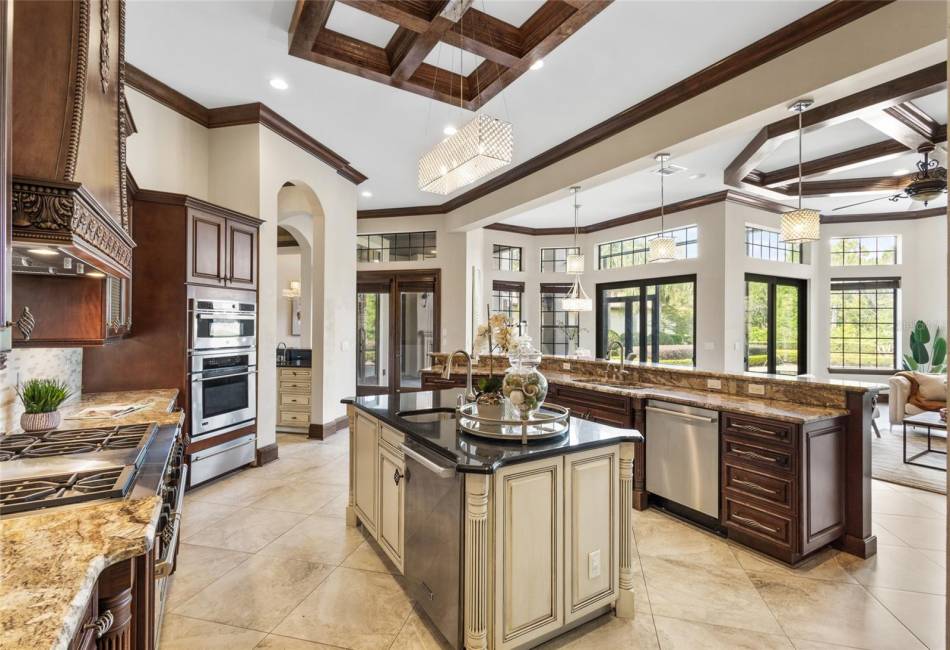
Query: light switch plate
x: 593, y: 564
x: 715, y: 384
x: 756, y: 389
x: 565, y: 366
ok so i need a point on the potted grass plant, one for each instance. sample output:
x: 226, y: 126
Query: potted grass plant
x: 41, y: 400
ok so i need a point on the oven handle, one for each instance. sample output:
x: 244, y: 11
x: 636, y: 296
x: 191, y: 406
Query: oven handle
x: 195, y: 380
x: 224, y: 315
x: 164, y: 566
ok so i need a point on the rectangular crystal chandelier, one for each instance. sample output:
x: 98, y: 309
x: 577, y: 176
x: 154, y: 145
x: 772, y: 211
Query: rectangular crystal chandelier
x: 474, y: 151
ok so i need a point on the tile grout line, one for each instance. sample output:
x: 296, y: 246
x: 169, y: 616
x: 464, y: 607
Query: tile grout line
x: 896, y: 617
x: 759, y: 594
x: 646, y: 588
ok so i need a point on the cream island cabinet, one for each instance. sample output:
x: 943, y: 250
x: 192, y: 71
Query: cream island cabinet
x: 528, y: 542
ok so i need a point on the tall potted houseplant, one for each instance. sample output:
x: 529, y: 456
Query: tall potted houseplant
x: 498, y: 334
x: 41, y: 400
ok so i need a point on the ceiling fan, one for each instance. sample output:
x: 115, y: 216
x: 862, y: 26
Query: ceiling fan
x: 929, y: 182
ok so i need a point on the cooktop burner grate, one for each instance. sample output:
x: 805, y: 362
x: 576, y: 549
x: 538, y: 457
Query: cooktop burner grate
x: 74, y: 441
x: 18, y: 495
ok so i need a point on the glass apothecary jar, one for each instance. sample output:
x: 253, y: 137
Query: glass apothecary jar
x: 524, y: 386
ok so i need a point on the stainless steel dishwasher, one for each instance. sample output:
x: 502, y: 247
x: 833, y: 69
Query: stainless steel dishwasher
x: 433, y: 538
x: 682, y: 450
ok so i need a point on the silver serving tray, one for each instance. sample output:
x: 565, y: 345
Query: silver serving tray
x: 550, y: 421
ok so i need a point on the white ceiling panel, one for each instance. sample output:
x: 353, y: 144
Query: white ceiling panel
x: 513, y: 12
x: 360, y: 25
x: 934, y: 105
x: 448, y: 57
x: 824, y: 142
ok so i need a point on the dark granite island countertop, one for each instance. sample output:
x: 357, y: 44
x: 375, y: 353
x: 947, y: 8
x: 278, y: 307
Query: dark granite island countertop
x: 479, y: 455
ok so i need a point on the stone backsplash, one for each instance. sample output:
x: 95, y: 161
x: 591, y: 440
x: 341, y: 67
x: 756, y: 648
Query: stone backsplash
x: 802, y: 390
x: 29, y: 363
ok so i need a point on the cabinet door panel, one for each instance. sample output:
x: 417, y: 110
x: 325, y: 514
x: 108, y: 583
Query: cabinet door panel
x: 529, y: 552
x: 242, y: 255
x: 206, y: 244
x: 391, y: 500
x: 364, y: 481
x: 591, y: 556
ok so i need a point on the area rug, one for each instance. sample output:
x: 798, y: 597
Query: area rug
x: 887, y: 458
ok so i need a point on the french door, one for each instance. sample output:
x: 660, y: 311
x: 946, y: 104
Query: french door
x: 775, y: 325
x: 397, y: 326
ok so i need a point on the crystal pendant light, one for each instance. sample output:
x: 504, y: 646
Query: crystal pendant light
x: 802, y: 225
x: 577, y: 299
x: 662, y: 248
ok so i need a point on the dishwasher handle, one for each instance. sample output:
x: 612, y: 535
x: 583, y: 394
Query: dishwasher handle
x: 442, y: 471
x: 686, y: 416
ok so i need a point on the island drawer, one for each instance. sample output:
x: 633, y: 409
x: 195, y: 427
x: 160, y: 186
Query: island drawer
x: 289, y: 374
x: 738, y: 450
x: 589, y: 399
x: 295, y: 418
x: 294, y: 399
x: 745, y: 482
x: 758, y: 428
x: 295, y: 386
x: 758, y: 523
x: 392, y: 439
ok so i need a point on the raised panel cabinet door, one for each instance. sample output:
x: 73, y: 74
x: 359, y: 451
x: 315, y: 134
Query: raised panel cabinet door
x: 366, y: 450
x: 206, y: 248
x: 242, y: 255
x: 391, y: 505
x: 529, y: 543
x: 591, y: 530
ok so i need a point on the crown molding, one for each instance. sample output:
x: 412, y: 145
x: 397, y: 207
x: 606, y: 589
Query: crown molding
x: 224, y: 116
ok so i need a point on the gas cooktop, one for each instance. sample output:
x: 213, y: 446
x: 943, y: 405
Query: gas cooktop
x: 62, y: 467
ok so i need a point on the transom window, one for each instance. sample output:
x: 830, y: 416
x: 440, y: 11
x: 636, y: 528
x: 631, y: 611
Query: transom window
x: 633, y: 251
x: 507, y: 258
x: 764, y: 244
x: 506, y: 299
x: 864, y: 323
x: 396, y: 247
x: 554, y: 260
x: 864, y: 251
x: 560, y: 329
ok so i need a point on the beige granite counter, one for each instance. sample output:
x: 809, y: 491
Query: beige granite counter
x: 50, y: 561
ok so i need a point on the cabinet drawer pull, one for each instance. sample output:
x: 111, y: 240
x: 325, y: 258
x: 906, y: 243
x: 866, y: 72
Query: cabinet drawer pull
x: 754, y: 455
x: 754, y: 486
x: 397, y: 476
x: 102, y: 623
x: 752, y: 523
x: 753, y: 429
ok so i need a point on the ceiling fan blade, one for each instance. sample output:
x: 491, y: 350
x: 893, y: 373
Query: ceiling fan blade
x: 880, y: 198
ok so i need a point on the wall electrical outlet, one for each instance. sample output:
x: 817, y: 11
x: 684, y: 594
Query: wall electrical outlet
x: 756, y: 389
x: 593, y: 564
x: 565, y: 366
x: 715, y: 384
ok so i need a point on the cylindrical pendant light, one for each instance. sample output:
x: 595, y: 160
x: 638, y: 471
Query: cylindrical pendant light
x: 577, y: 299
x: 662, y: 248
x: 802, y: 225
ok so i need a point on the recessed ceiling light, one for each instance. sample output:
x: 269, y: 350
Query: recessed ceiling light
x: 278, y: 84
x: 95, y: 274
x: 367, y: 194
x: 42, y: 251
x: 449, y: 130
x: 537, y: 65
x: 696, y: 176
x: 901, y: 172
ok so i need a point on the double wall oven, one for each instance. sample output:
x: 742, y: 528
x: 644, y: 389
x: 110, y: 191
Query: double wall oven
x: 223, y: 378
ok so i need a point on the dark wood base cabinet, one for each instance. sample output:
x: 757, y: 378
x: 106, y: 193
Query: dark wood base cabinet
x: 782, y: 484
x: 121, y: 612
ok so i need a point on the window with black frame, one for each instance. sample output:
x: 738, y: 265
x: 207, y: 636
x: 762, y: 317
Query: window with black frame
x: 396, y: 247
x: 560, y: 329
x: 506, y: 299
x: 864, y: 317
x: 765, y: 244
x: 507, y: 258
x: 654, y: 320
x: 554, y: 260
x: 775, y: 325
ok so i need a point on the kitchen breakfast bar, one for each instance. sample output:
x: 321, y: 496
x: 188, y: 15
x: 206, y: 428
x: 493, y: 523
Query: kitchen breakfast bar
x: 503, y: 544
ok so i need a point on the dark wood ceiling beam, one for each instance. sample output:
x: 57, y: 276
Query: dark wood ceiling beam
x: 309, y: 19
x: 851, y: 185
x: 486, y: 36
x: 835, y: 163
x: 411, y: 15
x: 895, y: 128
x: 915, y: 118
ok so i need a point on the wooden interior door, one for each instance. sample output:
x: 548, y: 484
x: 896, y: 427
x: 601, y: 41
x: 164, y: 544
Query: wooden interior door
x: 242, y: 255
x: 207, y: 234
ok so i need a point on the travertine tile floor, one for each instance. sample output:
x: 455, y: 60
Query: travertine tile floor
x: 267, y: 562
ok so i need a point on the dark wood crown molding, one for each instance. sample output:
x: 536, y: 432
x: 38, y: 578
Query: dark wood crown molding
x: 171, y: 198
x: 224, y: 116
x: 822, y: 21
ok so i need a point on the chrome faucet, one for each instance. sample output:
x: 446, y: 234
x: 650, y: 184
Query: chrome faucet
x: 447, y: 373
x: 281, y: 356
x: 623, y: 357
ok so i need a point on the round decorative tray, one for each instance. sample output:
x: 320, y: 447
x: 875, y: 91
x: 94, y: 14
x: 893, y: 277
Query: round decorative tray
x: 550, y: 421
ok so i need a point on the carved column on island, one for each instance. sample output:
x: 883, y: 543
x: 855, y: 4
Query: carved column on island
x: 477, y: 584
x: 351, y: 496
x: 625, y: 603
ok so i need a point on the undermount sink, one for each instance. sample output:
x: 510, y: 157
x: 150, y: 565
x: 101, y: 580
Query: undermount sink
x: 427, y: 415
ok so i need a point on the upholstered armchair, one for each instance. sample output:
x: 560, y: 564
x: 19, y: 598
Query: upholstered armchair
x: 931, y: 388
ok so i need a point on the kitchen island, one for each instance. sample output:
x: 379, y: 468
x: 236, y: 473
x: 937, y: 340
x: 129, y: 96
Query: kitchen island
x: 504, y: 545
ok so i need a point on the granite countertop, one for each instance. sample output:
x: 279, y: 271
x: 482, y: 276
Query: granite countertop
x: 53, y: 558
x: 294, y: 364
x: 479, y: 455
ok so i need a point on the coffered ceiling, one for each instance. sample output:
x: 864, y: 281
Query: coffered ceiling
x: 225, y: 53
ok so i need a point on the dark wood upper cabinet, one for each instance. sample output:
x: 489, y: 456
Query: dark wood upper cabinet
x: 207, y: 247
x: 242, y: 255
